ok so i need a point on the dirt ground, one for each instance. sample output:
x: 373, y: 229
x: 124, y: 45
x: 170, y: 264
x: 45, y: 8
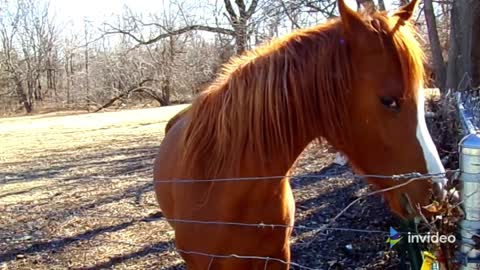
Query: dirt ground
x: 76, y: 193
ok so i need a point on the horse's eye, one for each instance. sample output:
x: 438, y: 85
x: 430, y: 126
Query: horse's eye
x: 390, y: 102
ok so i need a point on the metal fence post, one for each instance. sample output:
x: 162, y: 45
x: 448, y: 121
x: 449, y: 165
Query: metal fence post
x: 469, y: 149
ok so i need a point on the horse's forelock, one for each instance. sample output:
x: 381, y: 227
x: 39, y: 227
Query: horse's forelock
x: 404, y: 39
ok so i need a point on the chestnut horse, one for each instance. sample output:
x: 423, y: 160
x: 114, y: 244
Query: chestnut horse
x: 355, y: 81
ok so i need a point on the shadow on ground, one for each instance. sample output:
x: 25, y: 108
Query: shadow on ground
x: 106, y: 177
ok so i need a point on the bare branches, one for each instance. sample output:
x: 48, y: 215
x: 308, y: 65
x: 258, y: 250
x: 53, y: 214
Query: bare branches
x: 252, y: 8
x: 181, y: 47
x: 325, y: 7
x: 229, y: 8
x: 129, y: 33
x: 241, y: 8
x: 137, y: 88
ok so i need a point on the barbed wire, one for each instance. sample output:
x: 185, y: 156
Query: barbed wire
x: 204, y: 222
x: 211, y: 255
x: 322, y: 228
x: 315, y: 229
x: 342, y: 171
x: 191, y: 252
x: 260, y: 225
x: 397, y: 177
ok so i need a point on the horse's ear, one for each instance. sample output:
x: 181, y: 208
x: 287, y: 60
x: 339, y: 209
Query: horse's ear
x: 406, y: 12
x: 351, y: 21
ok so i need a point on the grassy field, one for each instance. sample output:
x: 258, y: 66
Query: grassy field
x: 76, y: 193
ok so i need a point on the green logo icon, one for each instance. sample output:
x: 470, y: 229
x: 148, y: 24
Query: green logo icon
x: 394, y: 237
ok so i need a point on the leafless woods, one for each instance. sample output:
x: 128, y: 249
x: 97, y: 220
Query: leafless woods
x: 168, y: 56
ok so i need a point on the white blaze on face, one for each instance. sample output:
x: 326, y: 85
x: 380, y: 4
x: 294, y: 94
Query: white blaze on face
x: 434, y: 165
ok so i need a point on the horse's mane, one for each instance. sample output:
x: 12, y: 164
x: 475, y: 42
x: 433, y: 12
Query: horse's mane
x: 297, y: 84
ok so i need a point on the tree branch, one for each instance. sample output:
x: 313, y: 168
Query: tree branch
x: 229, y: 8
x: 170, y: 33
x: 252, y: 8
x: 241, y: 7
x: 289, y: 15
x: 138, y: 88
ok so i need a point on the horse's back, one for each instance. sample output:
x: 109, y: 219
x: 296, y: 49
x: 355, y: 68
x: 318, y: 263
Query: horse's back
x: 167, y: 162
x: 176, y: 118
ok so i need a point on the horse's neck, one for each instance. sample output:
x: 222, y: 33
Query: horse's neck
x: 260, y: 118
x: 277, y: 164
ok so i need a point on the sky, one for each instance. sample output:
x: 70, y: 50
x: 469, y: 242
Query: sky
x: 70, y: 15
x: 101, y: 10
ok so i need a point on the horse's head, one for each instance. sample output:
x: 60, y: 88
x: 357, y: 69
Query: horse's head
x: 386, y: 104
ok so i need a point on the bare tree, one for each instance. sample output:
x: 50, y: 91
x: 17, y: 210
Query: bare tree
x: 239, y: 21
x: 464, y: 52
x: 86, y: 55
x: 436, y: 48
x: 10, y: 24
x: 28, y: 38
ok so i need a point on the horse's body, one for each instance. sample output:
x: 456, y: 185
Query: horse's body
x: 266, y: 107
x: 271, y: 203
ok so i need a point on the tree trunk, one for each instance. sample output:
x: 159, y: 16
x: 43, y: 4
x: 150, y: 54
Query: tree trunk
x: 476, y: 46
x: 464, y: 53
x: 240, y: 36
x: 381, y: 5
x: 87, y: 78
x: 38, y: 87
x: 23, y: 97
x: 239, y: 21
x: 437, y: 57
x: 453, y: 51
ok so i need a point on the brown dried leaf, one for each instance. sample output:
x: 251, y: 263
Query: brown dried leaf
x: 434, y: 207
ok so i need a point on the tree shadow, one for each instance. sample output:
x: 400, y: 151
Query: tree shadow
x: 339, y: 248
x: 59, y: 244
x: 148, y: 250
x: 134, y: 160
x: 332, y: 170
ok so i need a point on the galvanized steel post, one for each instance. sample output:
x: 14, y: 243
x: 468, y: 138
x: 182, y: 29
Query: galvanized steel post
x: 469, y: 149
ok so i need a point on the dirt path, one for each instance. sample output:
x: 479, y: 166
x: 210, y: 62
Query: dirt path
x: 76, y: 193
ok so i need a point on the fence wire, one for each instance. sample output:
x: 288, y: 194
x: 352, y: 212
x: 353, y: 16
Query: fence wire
x: 469, y: 106
x: 191, y: 252
x: 406, y: 176
x: 320, y: 228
